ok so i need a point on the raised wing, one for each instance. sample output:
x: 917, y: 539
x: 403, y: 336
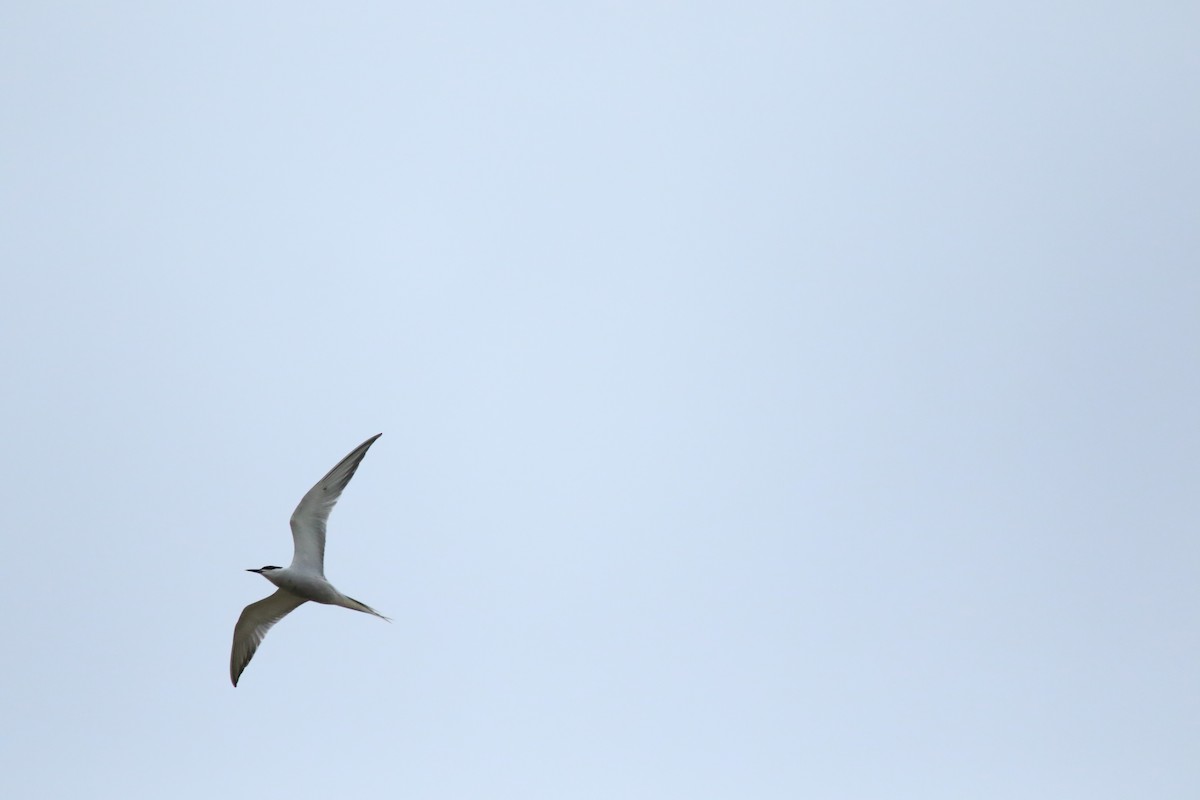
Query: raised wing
x: 309, y: 518
x: 253, y: 624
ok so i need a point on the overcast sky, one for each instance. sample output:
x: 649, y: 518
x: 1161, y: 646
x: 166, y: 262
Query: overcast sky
x: 780, y: 400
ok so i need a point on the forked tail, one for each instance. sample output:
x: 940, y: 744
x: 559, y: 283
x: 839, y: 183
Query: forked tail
x: 358, y: 605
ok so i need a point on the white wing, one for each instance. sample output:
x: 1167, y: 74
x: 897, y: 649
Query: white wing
x: 253, y: 624
x: 308, y: 520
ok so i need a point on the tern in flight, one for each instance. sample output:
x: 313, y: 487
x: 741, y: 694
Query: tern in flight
x: 304, y: 578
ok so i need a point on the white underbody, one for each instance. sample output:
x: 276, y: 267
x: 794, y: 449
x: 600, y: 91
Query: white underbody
x: 307, y: 586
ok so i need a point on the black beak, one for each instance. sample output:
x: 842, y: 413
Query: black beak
x: 259, y: 571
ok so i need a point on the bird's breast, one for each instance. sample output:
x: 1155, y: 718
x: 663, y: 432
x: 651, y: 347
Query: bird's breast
x: 310, y: 587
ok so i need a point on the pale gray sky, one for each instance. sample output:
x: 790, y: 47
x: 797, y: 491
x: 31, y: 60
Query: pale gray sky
x: 779, y: 400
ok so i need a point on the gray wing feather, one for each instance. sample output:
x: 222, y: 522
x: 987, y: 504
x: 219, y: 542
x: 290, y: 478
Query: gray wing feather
x: 310, y: 516
x: 253, y: 624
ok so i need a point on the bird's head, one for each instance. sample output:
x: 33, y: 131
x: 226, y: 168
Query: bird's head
x: 263, y: 570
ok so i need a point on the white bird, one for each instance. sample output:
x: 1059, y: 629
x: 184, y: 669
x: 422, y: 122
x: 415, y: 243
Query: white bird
x: 304, y: 579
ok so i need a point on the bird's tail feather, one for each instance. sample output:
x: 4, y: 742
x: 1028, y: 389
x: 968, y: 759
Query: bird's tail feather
x: 358, y: 605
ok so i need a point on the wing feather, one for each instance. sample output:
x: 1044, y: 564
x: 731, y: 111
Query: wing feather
x: 310, y: 516
x: 253, y: 624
